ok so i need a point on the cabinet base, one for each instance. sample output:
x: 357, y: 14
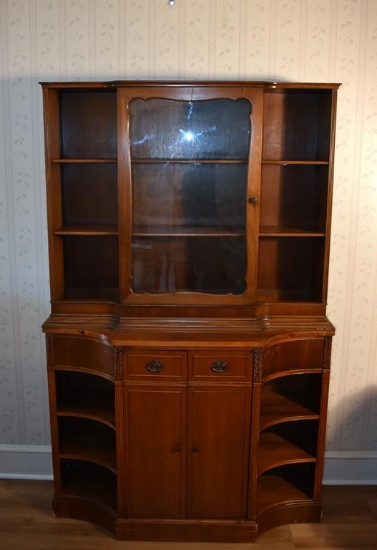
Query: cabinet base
x: 186, y: 530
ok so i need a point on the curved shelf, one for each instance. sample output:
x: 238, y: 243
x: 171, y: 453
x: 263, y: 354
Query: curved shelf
x: 275, y: 450
x: 88, y: 440
x: 90, y: 482
x: 293, y: 371
x: 75, y: 450
x: 88, y: 394
x: 88, y: 411
x: 277, y: 408
x: 285, y: 485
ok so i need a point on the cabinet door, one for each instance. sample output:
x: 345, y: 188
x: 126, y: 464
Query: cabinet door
x: 218, y: 451
x: 155, y: 451
x: 191, y: 174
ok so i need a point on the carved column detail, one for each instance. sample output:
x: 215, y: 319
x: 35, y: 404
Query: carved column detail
x: 327, y: 352
x: 257, y: 365
x: 50, y: 351
x: 118, y: 363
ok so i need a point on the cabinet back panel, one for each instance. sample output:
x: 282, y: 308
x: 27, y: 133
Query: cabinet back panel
x: 294, y: 196
x: 297, y: 125
x: 89, y: 194
x: 291, y: 268
x: 88, y: 124
x: 91, y: 267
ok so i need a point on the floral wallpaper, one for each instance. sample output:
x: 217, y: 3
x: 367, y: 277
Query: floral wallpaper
x: 297, y: 40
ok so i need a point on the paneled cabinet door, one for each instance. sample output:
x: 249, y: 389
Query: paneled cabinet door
x: 218, y: 451
x: 156, y: 451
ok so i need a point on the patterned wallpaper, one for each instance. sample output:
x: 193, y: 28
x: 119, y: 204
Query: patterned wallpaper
x: 299, y: 40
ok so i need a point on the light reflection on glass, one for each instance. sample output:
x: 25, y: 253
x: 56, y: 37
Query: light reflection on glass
x: 187, y: 135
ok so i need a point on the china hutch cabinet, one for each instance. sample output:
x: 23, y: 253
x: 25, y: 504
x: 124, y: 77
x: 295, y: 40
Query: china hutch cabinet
x: 188, y: 344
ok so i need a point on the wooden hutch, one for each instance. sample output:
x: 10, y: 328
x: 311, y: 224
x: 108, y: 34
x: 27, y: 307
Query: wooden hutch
x: 188, y: 344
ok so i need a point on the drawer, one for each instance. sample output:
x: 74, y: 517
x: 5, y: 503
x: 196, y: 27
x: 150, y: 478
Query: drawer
x: 230, y: 366
x: 155, y: 365
x: 81, y: 353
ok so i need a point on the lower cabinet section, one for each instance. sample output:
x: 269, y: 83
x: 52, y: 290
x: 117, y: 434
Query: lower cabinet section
x: 188, y: 444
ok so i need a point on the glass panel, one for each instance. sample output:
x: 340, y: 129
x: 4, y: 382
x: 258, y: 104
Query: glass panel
x: 172, y: 264
x: 212, y: 129
x: 189, y: 186
x: 189, y: 195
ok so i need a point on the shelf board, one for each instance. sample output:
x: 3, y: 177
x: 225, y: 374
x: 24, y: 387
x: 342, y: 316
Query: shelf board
x: 275, y: 450
x: 91, y: 482
x: 187, y: 161
x: 273, y: 489
x: 98, y: 452
x: 84, y: 161
x: 285, y: 162
x: 186, y: 231
x: 277, y: 408
x: 87, y: 230
x: 285, y: 231
x: 94, y: 406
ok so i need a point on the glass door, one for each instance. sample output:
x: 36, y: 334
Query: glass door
x: 189, y: 182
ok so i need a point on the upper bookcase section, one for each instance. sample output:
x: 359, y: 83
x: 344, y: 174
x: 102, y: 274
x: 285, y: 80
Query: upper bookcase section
x: 190, y: 195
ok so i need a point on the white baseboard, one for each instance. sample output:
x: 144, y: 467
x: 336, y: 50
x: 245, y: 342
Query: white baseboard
x: 25, y: 462
x: 350, y: 468
x: 34, y: 462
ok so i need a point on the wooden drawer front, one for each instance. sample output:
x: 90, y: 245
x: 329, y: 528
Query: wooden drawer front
x: 84, y: 354
x: 155, y: 365
x: 230, y: 366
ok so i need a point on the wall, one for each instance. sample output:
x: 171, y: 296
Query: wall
x: 298, y: 40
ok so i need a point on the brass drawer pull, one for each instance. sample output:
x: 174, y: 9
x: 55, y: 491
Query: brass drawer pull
x: 154, y: 366
x: 219, y: 366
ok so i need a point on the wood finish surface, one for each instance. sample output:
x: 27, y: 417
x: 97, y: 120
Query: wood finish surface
x: 188, y: 343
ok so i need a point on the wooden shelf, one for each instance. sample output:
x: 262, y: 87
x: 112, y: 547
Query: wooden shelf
x: 274, y: 450
x: 277, y: 408
x: 93, y: 448
x: 274, y: 489
x: 89, y: 231
x: 169, y: 231
x: 281, y: 231
x: 174, y: 160
x: 94, y: 406
x: 284, y: 162
x: 89, y: 481
x: 83, y: 161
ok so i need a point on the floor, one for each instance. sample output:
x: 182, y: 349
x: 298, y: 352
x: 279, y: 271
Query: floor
x: 26, y: 523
